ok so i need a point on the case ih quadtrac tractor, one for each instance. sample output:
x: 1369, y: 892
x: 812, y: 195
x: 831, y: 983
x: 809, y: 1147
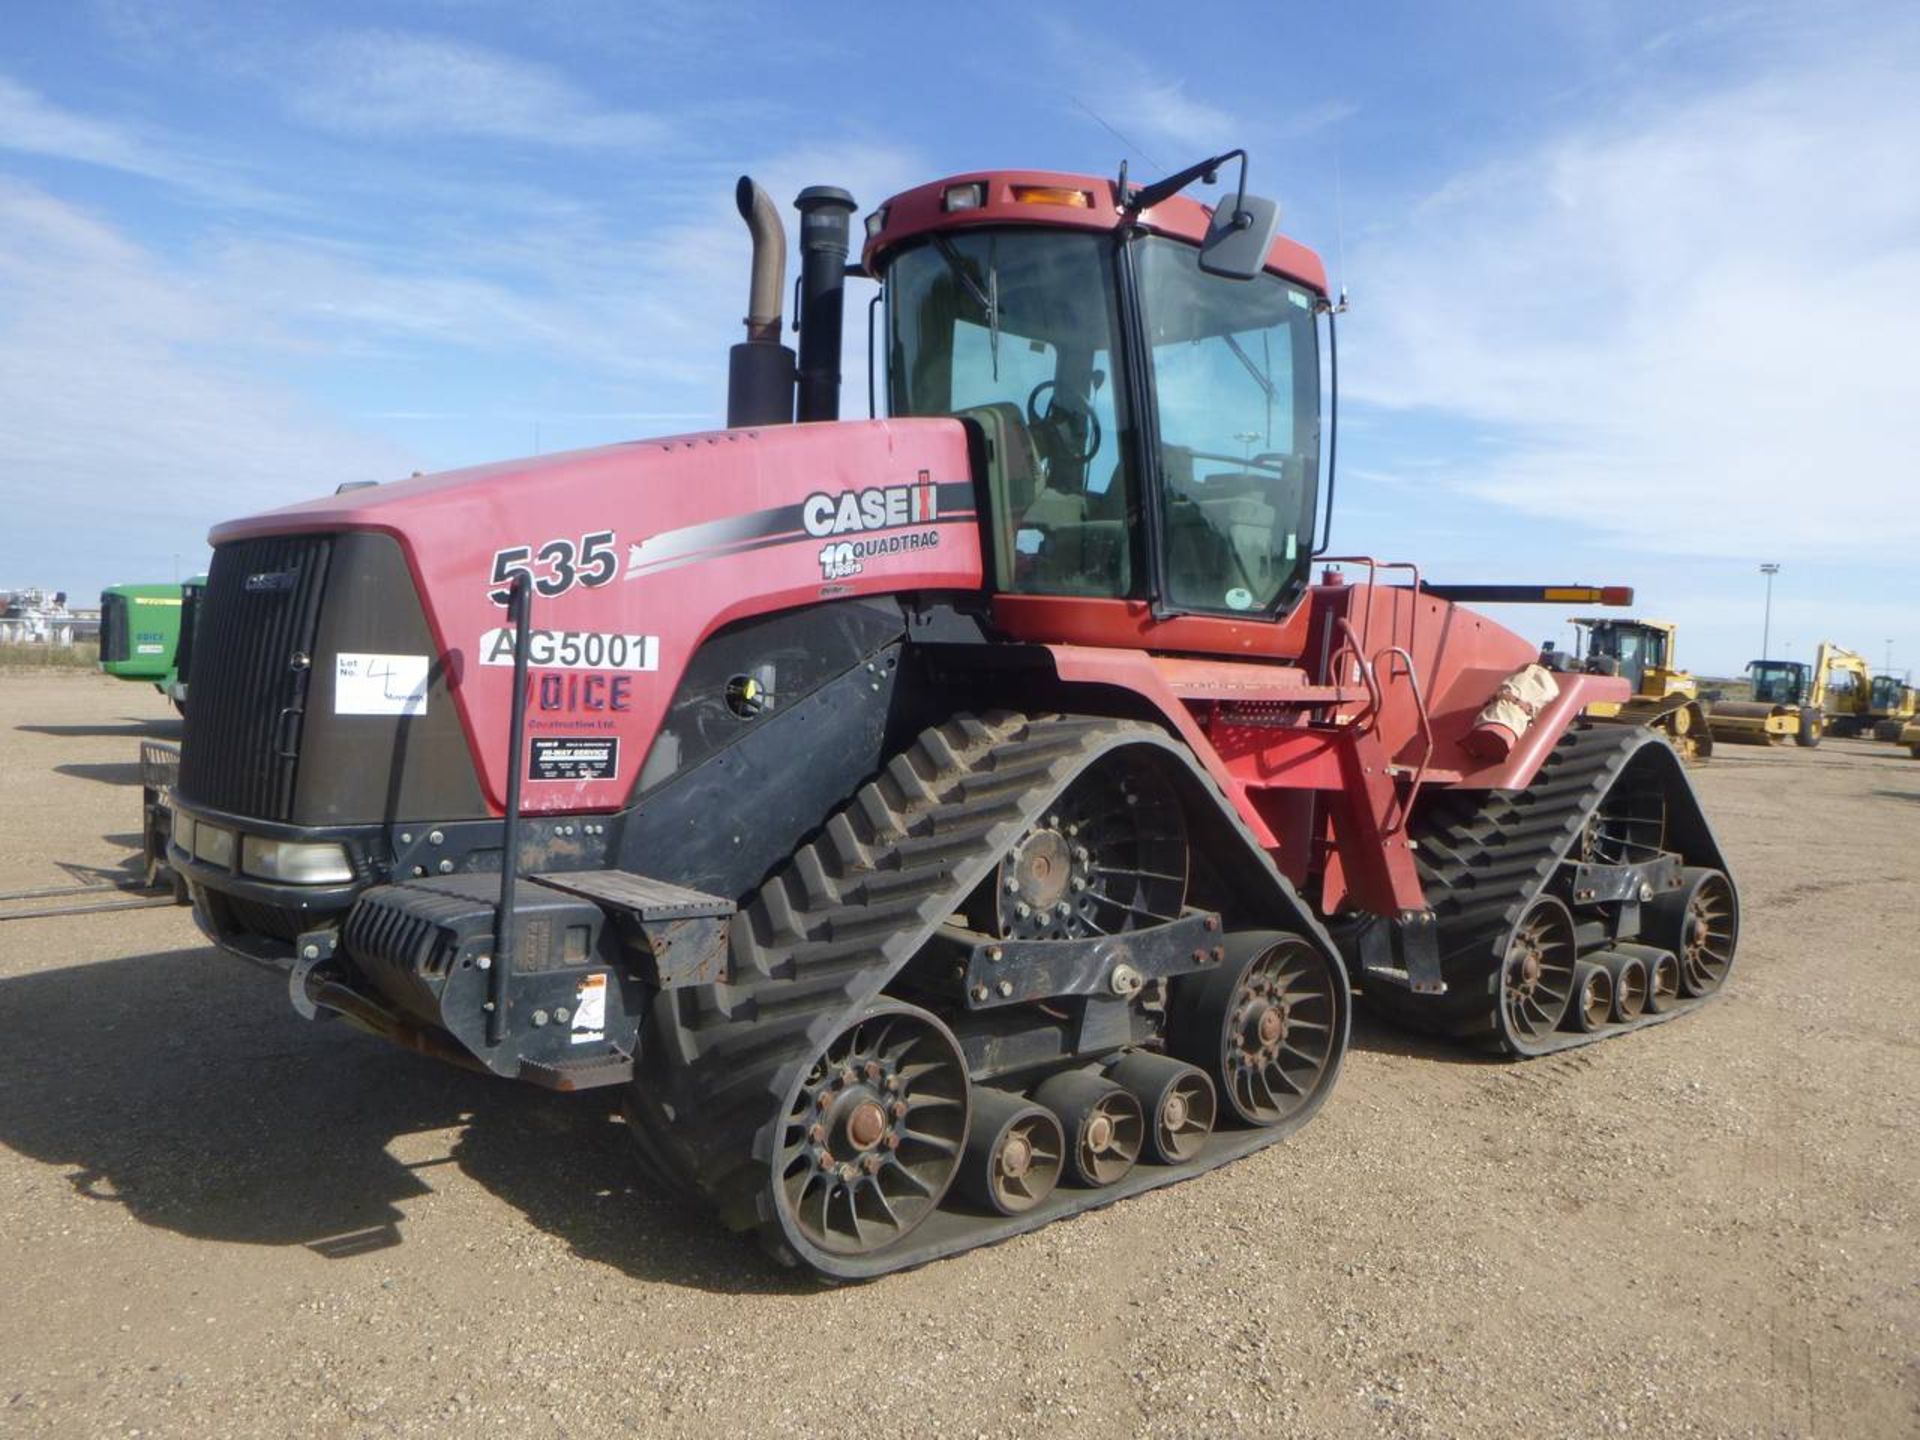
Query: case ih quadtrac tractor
x: 944, y: 823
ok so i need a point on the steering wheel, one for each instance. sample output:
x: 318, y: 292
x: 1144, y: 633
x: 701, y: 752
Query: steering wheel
x: 1060, y: 417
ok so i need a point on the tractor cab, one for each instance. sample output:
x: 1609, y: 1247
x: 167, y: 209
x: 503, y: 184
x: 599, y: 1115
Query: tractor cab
x: 1148, y: 420
x: 1779, y: 682
x: 1632, y: 649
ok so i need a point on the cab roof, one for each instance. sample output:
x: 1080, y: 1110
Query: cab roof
x: 1050, y: 197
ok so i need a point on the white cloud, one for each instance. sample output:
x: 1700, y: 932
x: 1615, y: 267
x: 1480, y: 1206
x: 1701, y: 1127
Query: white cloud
x: 121, y: 437
x: 32, y: 125
x: 1692, y: 327
x: 392, y: 84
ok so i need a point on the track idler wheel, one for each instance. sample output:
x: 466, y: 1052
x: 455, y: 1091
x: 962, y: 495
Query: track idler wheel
x: 874, y: 1133
x: 1663, y: 982
x: 1629, y: 974
x: 1178, y: 1101
x: 1103, y: 1123
x: 1015, y: 1153
x: 1537, y: 973
x: 1268, y: 1024
x: 1592, y: 1005
x: 1700, y: 924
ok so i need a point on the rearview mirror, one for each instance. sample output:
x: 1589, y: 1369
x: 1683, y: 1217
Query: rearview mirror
x: 1240, y: 236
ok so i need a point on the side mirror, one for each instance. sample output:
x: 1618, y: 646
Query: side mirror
x: 1240, y: 236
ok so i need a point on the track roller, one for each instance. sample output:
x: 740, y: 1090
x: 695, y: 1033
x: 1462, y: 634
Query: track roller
x: 1663, y: 982
x: 1102, y: 1121
x: 1592, y: 1005
x: 1700, y: 924
x: 1015, y: 1152
x: 1178, y: 1101
x: 1629, y: 974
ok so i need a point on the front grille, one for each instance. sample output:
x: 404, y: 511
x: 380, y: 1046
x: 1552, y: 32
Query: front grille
x: 113, y: 628
x: 257, y: 622
x: 189, y: 614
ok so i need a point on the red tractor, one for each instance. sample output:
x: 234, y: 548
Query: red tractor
x: 944, y: 823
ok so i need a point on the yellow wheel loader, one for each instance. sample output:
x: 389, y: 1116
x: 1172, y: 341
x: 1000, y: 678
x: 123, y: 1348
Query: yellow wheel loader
x: 1892, y: 706
x: 1664, y: 698
x: 1793, y: 700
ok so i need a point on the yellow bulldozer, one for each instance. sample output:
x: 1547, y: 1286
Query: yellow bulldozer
x: 1797, y: 701
x: 1664, y: 698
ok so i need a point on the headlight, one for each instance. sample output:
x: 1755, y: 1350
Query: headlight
x: 294, y: 862
x: 183, y: 831
x: 213, y: 845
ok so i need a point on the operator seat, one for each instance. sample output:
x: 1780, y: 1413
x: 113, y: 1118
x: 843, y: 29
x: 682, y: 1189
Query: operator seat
x: 1044, y: 531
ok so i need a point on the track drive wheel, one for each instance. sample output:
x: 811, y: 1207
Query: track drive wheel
x: 874, y: 1132
x: 1700, y: 924
x: 1536, y: 974
x: 1268, y: 1024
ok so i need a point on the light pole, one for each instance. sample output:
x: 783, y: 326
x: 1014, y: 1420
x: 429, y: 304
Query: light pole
x: 1768, y: 568
x: 1888, y: 669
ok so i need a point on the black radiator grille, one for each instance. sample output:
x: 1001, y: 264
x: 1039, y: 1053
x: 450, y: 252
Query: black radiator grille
x: 253, y: 662
x: 113, y: 627
x: 189, y: 615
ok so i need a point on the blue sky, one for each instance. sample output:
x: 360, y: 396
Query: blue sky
x: 1636, y: 288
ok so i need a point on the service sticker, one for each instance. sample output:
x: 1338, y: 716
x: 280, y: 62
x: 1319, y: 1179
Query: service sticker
x: 575, y: 758
x: 1239, y: 598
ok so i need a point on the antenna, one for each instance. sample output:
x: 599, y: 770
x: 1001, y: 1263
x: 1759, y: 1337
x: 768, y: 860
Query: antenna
x: 1098, y: 120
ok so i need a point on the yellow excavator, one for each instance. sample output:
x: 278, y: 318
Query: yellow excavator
x: 1665, y: 698
x: 1793, y: 700
x: 1892, y: 706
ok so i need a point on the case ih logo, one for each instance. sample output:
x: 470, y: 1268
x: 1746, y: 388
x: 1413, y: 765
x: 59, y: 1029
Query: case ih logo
x: 887, y: 507
x: 266, y: 582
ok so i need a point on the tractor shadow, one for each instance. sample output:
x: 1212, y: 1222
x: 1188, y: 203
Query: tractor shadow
x: 128, y: 727
x: 107, y: 772
x: 1910, y: 795
x: 180, y: 1086
x: 1376, y: 1032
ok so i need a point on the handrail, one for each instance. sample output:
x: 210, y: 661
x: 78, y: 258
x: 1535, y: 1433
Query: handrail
x: 1426, y: 732
x: 1351, y: 642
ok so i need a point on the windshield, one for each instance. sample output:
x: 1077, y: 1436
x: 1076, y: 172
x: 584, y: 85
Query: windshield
x: 1887, y: 692
x: 1777, y: 682
x: 1014, y: 330
x: 1236, y: 374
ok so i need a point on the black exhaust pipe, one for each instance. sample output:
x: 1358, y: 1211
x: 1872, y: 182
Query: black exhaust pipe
x: 760, y: 372
x: 826, y: 214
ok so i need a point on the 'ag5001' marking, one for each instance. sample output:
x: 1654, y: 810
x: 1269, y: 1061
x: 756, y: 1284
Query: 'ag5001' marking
x: 594, y: 561
x: 574, y: 650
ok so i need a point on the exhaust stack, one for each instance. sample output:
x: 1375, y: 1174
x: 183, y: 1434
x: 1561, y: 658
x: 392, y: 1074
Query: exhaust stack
x: 826, y: 214
x: 760, y: 372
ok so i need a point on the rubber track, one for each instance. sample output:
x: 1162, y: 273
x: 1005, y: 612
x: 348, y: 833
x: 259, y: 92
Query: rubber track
x: 820, y: 940
x: 1486, y: 855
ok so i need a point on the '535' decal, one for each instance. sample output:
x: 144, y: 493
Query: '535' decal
x: 557, y: 566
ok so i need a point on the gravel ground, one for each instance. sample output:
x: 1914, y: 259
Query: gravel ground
x: 217, y: 1219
